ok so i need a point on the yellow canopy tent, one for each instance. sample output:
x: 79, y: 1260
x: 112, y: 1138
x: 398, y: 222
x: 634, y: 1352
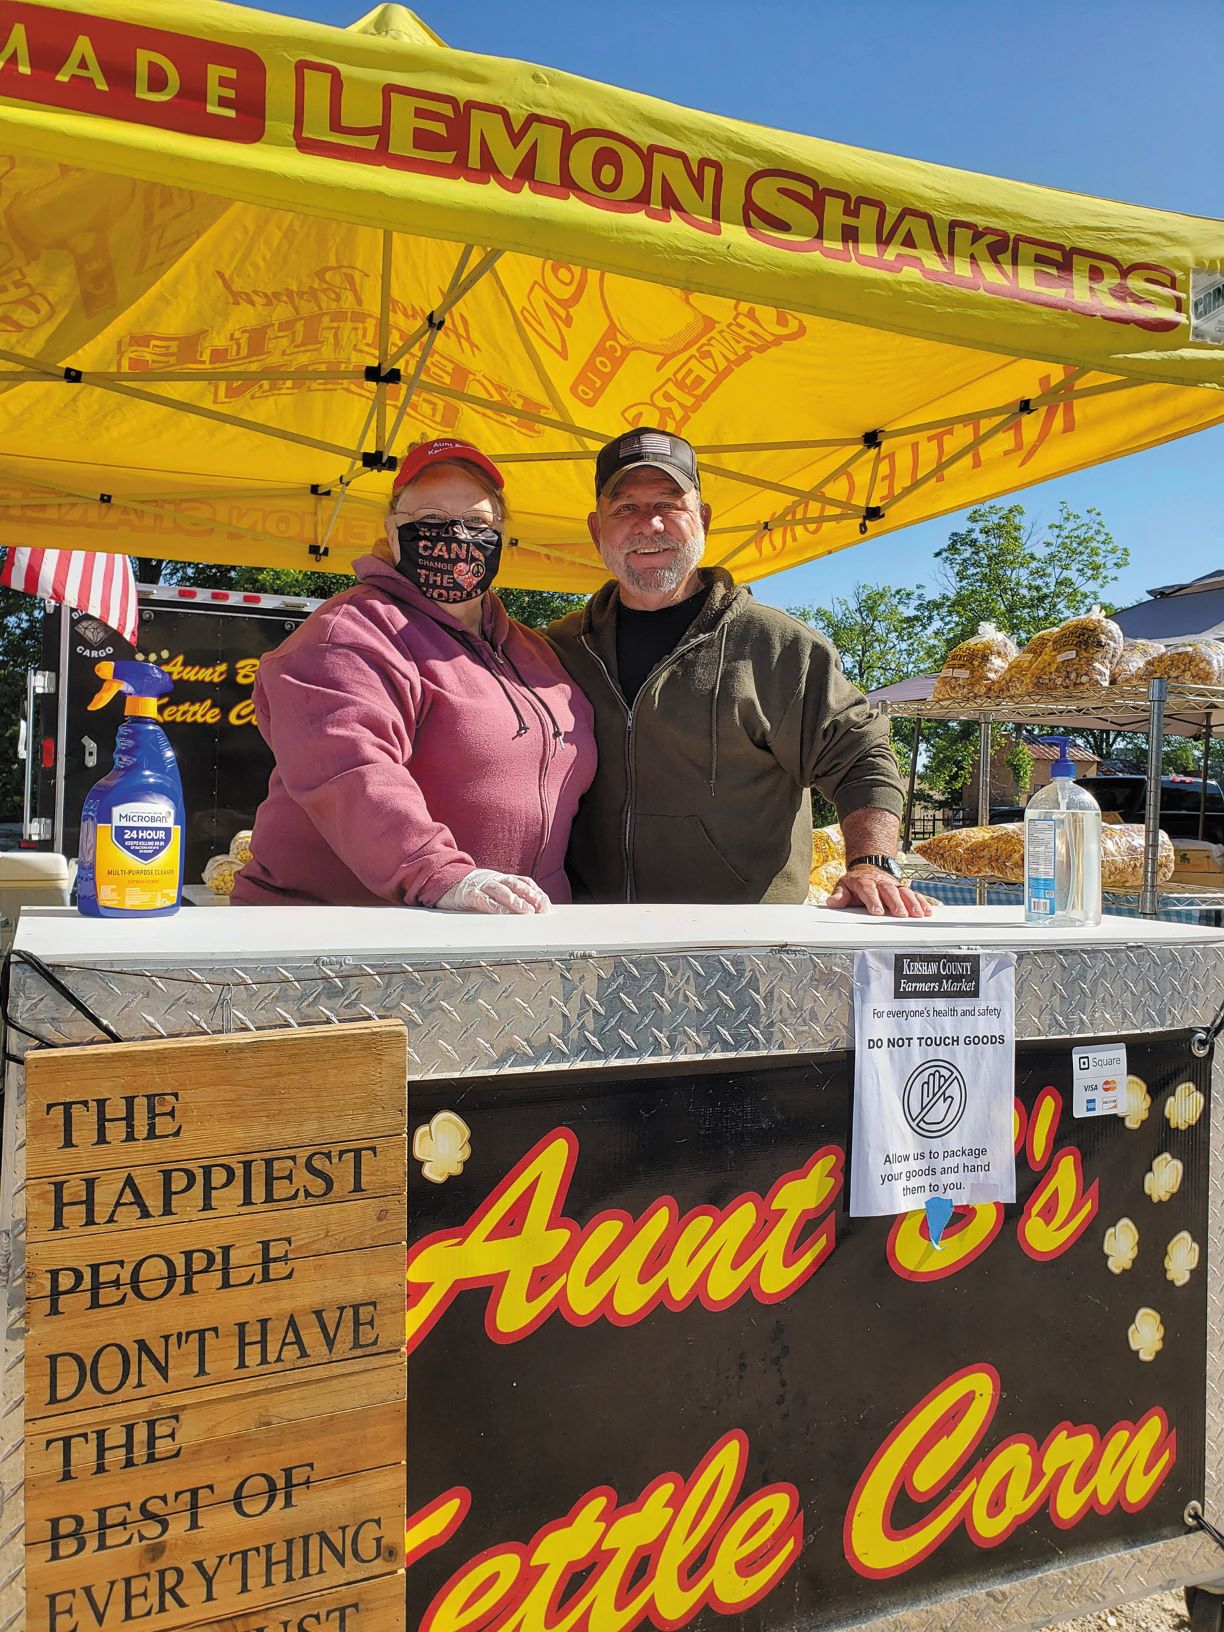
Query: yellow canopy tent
x: 245, y: 263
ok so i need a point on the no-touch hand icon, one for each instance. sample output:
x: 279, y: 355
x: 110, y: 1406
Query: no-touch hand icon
x: 934, y: 1099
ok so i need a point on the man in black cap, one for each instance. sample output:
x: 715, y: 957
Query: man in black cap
x: 714, y: 715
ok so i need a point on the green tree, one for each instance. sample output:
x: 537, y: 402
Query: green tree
x: 1180, y: 757
x: 1129, y: 749
x: 1000, y: 568
x: 949, y: 753
x: 1003, y: 569
x: 537, y: 608
x: 1116, y: 745
x: 875, y: 631
x: 1019, y: 761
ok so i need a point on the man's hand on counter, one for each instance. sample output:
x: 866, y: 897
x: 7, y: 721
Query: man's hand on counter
x: 872, y: 878
x: 881, y: 894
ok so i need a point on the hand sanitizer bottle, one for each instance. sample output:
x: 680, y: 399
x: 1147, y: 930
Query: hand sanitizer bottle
x: 1062, y: 849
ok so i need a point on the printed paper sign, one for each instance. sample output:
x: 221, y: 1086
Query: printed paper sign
x: 1098, y: 1079
x: 934, y: 1079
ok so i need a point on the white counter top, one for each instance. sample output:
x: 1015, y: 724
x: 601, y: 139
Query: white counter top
x: 289, y: 934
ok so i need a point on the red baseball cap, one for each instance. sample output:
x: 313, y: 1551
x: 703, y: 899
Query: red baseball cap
x: 436, y: 452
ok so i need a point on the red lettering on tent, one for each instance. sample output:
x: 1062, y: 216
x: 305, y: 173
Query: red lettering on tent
x: 144, y: 76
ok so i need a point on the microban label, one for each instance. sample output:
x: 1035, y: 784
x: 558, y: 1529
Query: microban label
x: 137, y: 858
x: 937, y: 974
x: 143, y: 830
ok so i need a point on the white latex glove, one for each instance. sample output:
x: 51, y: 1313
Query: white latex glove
x: 483, y: 890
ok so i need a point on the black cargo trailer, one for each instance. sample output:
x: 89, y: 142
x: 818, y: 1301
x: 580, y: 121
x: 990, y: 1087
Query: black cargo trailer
x: 211, y: 643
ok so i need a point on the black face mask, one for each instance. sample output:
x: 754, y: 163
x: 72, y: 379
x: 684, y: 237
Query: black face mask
x: 447, y: 560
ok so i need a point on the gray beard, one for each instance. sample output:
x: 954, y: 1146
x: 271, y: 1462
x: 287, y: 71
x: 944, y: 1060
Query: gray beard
x: 668, y: 576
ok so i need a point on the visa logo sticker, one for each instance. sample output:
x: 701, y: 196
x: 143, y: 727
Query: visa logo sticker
x: 1098, y: 1078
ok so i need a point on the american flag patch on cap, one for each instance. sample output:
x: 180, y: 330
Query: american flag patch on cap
x: 661, y: 449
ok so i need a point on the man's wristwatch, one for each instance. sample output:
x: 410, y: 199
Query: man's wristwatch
x: 886, y: 864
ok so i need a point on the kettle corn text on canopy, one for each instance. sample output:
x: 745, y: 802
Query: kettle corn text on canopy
x: 246, y: 262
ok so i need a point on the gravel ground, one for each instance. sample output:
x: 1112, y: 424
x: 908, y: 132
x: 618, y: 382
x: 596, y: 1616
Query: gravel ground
x: 1164, y: 1613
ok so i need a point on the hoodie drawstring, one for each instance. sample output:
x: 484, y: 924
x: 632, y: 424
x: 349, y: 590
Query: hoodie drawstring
x: 476, y: 649
x: 523, y: 727
x: 480, y: 648
x: 722, y: 655
x: 539, y: 697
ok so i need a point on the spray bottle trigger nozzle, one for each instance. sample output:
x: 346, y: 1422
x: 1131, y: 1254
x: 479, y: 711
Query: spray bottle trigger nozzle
x: 110, y: 686
x: 138, y: 680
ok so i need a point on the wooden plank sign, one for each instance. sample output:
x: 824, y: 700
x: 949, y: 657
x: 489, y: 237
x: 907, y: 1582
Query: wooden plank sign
x: 214, y: 1367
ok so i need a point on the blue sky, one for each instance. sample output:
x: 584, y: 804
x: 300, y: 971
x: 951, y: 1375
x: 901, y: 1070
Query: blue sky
x: 1110, y: 97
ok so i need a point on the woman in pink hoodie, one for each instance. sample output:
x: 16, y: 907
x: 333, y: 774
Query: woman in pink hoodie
x: 429, y: 751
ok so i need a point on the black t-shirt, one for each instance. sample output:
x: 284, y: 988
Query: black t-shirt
x: 645, y: 638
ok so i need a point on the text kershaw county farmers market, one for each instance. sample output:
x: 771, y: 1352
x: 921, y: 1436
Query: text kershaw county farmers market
x: 216, y: 90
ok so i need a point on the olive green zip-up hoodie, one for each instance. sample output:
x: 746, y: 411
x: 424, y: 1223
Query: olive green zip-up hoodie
x: 701, y: 791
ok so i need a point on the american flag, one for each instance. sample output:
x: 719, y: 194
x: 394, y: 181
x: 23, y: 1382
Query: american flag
x: 104, y: 585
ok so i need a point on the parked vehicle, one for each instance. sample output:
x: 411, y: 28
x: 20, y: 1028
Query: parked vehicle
x: 210, y: 642
x: 1180, y: 801
x: 1125, y: 795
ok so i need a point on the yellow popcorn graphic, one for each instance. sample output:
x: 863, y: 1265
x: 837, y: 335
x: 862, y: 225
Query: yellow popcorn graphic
x: 442, y: 1147
x: 1146, y: 1334
x: 1181, y: 1258
x: 1121, y: 1245
x: 1184, y: 1105
x: 1163, y: 1179
x: 1138, y: 1102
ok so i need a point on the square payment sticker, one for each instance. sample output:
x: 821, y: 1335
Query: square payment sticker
x: 1098, y: 1077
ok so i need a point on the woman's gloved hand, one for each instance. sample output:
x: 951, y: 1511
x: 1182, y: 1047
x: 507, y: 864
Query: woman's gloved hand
x: 483, y: 890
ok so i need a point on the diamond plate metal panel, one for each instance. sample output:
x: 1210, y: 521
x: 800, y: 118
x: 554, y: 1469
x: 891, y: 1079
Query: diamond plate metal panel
x: 476, y: 1017
x: 529, y: 1013
x: 1059, y: 1595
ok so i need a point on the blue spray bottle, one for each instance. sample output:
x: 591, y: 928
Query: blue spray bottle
x: 131, y: 863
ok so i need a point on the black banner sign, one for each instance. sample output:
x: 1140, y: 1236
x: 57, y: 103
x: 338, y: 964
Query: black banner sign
x: 212, y: 653
x: 659, y: 1377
